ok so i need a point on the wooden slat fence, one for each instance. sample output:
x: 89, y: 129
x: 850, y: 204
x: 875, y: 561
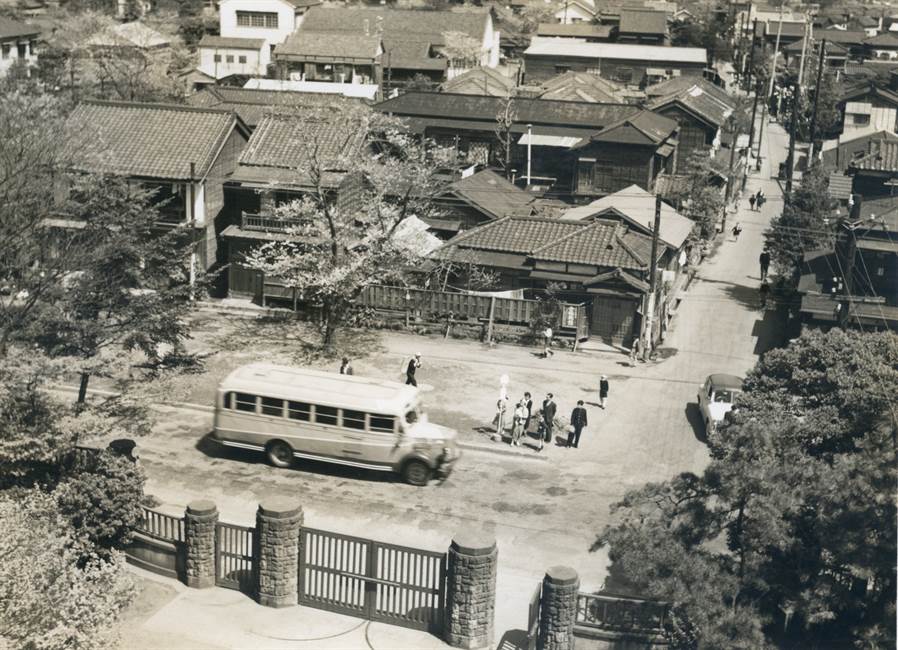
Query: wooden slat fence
x: 161, y: 526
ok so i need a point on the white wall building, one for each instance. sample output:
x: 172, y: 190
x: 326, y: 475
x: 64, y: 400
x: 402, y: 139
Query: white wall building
x: 221, y: 56
x: 17, y: 44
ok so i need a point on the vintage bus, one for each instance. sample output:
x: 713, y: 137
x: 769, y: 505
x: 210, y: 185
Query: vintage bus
x: 361, y: 422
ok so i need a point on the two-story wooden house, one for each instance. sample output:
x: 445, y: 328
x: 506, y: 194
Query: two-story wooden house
x: 180, y: 152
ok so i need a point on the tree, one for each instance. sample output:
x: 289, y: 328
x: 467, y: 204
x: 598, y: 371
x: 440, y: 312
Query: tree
x: 780, y: 540
x: 463, y: 51
x: 343, y: 239
x: 48, y: 601
x: 699, y: 200
x: 829, y: 117
x: 103, y: 502
x: 805, y: 223
x: 505, y: 120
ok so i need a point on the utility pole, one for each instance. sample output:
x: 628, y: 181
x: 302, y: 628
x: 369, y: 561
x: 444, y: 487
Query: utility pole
x: 790, y: 159
x: 729, y: 190
x: 813, y: 133
x: 751, y: 66
x: 776, y: 51
x: 649, y: 320
x: 804, y: 47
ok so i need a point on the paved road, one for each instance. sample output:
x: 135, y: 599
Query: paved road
x: 544, y: 509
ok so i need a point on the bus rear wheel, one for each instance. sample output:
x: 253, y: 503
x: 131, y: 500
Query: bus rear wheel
x: 416, y: 472
x: 279, y: 454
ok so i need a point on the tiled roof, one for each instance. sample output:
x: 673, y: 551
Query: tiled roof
x: 683, y: 83
x: 231, y: 42
x: 884, y: 40
x: 335, y: 45
x: 638, y: 207
x: 698, y: 102
x: 642, y: 21
x: 842, y: 37
x: 148, y: 140
x: 405, y: 54
x: 581, y: 87
x: 645, y: 127
x: 13, y: 28
x: 574, y: 30
x: 396, y: 23
x: 600, y: 243
x: 788, y: 29
x: 480, y: 81
x: 533, y: 111
x: 252, y: 104
x: 840, y: 186
x: 493, y: 194
x: 884, y: 158
x: 287, y: 140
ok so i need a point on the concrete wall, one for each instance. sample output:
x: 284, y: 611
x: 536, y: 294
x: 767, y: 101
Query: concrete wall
x: 273, y: 36
x: 156, y: 555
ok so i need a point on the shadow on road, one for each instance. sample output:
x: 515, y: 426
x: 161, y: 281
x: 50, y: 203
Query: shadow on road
x: 514, y: 640
x: 694, y: 416
x: 770, y: 330
x: 208, y: 446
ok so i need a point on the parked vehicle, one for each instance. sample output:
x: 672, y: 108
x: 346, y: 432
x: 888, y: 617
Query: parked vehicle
x: 716, y: 398
x: 345, y: 419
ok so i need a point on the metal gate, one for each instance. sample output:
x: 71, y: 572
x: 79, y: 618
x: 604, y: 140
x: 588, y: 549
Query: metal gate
x: 234, y: 557
x: 533, y: 617
x: 382, y: 582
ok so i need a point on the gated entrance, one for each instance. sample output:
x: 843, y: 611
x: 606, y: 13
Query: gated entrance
x: 382, y: 582
x: 234, y: 557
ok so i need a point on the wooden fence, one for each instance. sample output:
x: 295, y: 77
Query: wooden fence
x: 161, y: 526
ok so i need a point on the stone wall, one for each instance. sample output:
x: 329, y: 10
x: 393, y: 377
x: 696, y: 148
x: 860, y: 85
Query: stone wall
x: 278, y: 521
x: 199, y: 530
x: 471, y: 591
x: 559, y: 609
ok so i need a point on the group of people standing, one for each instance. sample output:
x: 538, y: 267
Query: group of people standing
x: 522, y: 417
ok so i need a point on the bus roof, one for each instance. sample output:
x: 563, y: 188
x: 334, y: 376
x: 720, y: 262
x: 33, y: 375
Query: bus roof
x: 319, y: 387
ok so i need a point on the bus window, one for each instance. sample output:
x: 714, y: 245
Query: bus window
x: 354, y: 419
x: 299, y: 411
x: 326, y: 415
x: 245, y: 402
x: 273, y: 406
x: 381, y: 423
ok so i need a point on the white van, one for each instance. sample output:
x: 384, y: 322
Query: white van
x: 357, y: 421
x: 716, y: 398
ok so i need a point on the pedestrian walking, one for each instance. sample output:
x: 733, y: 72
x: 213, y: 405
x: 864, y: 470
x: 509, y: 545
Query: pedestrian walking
x: 634, y: 351
x: 549, y: 409
x: 764, y: 260
x: 737, y: 230
x: 501, y: 413
x: 413, y: 366
x: 520, y: 417
x: 603, y: 391
x: 761, y: 199
x: 345, y: 367
x: 528, y: 404
x: 548, y: 334
x: 578, y: 422
x: 751, y: 202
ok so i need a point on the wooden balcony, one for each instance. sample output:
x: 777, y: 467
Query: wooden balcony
x: 267, y: 223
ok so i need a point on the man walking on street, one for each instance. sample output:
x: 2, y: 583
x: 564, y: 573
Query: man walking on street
x: 578, y: 421
x: 413, y: 365
x: 764, y: 259
x: 548, y: 336
x: 549, y: 409
x: 603, y: 391
x: 751, y: 202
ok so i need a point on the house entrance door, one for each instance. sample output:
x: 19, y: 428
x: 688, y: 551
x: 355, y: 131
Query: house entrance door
x: 613, y: 318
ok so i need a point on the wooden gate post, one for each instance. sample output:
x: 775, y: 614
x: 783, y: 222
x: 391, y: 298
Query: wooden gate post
x: 471, y: 590
x: 489, y: 327
x: 276, y: 551
x: 200, y: 519
x: 558, y: 610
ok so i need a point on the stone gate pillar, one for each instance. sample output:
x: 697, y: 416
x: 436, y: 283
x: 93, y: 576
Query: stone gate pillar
x: 276, y: 551
x: 471, y: 591
x: 199, y: 541
x: 558, y: 610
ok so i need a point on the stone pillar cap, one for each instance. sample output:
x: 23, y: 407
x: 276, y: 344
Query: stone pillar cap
x: 473, y: 543
x: 562, y: 575
x: 279, y: 507
x: 201, y: 507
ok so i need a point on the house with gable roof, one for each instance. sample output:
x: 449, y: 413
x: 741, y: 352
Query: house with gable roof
x: 638, y: 25
x: 601, y: 263
x: 18, y: 45
x: 182, y: 153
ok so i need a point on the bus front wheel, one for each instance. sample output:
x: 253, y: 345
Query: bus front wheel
x: 416, y: 472
x: 279, y: 454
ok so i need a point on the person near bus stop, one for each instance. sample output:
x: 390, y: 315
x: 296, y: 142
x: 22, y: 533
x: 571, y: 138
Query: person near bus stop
x: 413, y: 366
x: 528, y: 404
x: 548, y: 334
x: 548, y: 412
x: 520, y: 417
x: 578, y: 422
